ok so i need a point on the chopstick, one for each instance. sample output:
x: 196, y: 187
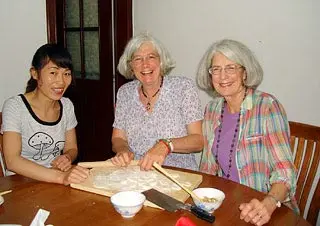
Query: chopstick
x: 158, y: 167
x: 5, y: 192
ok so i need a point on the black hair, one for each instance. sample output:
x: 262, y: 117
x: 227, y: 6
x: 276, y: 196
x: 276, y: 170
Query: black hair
x: 49, y: 52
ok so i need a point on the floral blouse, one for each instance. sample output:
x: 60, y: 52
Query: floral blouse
x: 177, y: 106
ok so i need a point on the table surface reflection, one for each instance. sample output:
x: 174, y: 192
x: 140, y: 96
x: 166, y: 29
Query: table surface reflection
x: 70, y: 206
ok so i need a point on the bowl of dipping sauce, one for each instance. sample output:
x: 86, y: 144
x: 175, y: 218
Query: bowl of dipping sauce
x: 211, y: 198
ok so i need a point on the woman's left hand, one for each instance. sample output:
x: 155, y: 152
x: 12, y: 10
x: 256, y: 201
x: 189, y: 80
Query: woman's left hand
x: 257, y: 212
x: 157, y: 153
x: 62, y: 162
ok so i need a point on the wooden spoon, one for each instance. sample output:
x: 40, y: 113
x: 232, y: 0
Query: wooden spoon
x: 193, y: 195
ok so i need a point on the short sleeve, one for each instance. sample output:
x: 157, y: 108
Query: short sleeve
x: 68, y: 108
x: 11, y: 118
x: 120, y: 109
x: 191, y: 104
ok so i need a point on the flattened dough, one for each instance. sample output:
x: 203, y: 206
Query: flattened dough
x: 132, y: 178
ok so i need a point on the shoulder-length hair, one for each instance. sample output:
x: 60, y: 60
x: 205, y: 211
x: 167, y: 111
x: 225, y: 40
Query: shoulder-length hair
x: 49, y: 52
x: 236, y: 52
x: 166, y: 61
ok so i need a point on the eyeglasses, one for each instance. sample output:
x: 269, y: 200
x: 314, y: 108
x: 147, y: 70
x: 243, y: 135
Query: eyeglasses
x: 229, y: 69
x: 138, y: 60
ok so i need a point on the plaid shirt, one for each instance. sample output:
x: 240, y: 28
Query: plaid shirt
x: 263, y: 155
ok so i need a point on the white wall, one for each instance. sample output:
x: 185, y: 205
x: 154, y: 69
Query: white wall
x: 23, y: 30
x: 284, y: 35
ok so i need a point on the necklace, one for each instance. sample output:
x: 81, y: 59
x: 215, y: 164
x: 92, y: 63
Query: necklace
x: 234, y: 138
x: 148, y: 106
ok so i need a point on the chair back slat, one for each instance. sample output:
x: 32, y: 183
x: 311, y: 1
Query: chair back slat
x: 292, y: 143
x: 305, y: 145
x: 307, y: 177
x: 314, y: 206
x: 304, y: 166
x: 311, y: 176
x: 299, y: 152
x: 1, y: 153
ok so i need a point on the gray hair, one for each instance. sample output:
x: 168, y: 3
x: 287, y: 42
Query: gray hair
x: 234, y: 51
x: 166, y: 61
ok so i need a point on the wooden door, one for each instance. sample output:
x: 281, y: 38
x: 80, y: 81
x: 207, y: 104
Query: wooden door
x: 95, y: 32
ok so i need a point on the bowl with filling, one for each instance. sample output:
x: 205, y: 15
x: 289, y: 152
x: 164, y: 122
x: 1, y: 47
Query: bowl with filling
x: 211, y: 198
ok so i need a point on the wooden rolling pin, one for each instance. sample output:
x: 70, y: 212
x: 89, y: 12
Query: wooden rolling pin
x: 103, y: 164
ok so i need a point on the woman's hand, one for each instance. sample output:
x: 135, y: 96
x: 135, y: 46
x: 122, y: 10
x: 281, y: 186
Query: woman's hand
x: 157, y: 153
x: 76, y: 174
x: 62, y: 162
x: 257, y: 212
x: 122, y: 158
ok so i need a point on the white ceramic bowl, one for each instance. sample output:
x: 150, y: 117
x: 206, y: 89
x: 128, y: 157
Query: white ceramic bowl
x: 210, y: 193
x: 128, y: 203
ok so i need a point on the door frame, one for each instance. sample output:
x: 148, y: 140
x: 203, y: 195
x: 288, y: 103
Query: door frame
x: 115, y: 37
x: 122, y: 29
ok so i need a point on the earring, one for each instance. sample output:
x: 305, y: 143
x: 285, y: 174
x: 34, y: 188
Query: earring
x: 244, y: 77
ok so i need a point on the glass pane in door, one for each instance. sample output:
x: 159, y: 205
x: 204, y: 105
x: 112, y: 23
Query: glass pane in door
x: 91, y: 55
x: 73, y: 45
x: 72, y: 13
x: 90, y: 13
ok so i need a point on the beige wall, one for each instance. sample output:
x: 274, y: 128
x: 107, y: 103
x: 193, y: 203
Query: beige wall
x: 283, y: 34
x: 23, y: 30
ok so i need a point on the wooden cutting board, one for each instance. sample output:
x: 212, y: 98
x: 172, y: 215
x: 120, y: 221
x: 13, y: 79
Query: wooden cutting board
x: 108, y: 167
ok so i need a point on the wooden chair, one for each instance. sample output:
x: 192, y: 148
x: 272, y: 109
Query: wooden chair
x: 305, y: 145
x: 1, y: 153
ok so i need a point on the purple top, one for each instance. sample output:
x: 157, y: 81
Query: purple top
x: 226, y: 136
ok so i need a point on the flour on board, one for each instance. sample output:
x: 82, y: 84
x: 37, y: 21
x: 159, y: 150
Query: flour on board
x: 132, y: 178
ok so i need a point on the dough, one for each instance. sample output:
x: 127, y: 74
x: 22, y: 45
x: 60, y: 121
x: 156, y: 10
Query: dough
x: 133, y: 179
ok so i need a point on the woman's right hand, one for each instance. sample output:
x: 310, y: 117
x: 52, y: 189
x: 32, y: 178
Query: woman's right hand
x: 157, y: 153
x: 122, y: 158
x: 76, y: 175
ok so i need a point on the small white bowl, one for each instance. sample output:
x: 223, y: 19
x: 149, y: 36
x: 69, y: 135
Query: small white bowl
x: 210, y: 193
x: 128, y: 203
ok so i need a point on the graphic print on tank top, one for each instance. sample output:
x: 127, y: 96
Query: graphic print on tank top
x: 42, y: 143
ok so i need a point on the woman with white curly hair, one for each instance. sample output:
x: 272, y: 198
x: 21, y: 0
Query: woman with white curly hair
x: 158, y: 117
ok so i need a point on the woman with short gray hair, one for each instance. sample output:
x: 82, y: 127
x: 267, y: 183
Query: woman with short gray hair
x: 124, y: 65
x: 246, y: 131
x: 158, y: 117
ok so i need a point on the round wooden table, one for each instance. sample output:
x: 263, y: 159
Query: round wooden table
x: 69, y: 206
